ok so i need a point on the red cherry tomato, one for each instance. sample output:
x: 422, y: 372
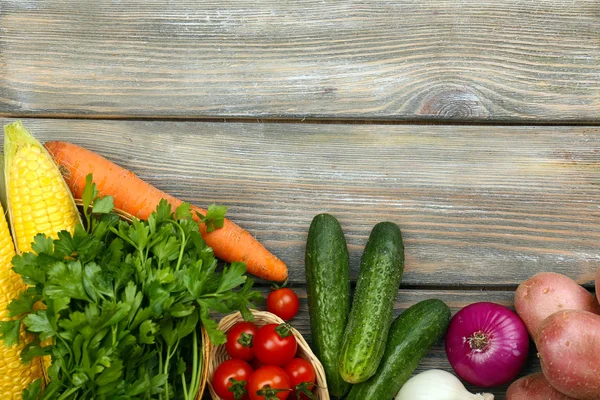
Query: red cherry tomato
x: 269, y: 383
x: 230, y: 380
x: 275, y: 344
x: 284, y: 303
x: 239, y: 341
x: 302, y: 377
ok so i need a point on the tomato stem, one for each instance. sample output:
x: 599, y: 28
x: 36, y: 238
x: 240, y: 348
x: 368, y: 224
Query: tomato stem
x: 270, y: 393
x: 238, y: 388
x: 306, y: 389
x: 245, y: 339
x: 275, y: 286
x: 284, y: 330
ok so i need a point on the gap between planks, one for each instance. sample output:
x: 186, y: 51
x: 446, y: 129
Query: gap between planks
x: 303, y: 120
x: 416, y: 287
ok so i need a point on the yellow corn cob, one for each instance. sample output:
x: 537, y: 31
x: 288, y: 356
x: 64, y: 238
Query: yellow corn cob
x: 38, y: 199
x: 14, y: 375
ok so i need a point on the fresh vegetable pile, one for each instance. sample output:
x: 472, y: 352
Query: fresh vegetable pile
x: 122, y: 303
x: 487, y: 344
x: 110, y: 309
x: 97, y: 306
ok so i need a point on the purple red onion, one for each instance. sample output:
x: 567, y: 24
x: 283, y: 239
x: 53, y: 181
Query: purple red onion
x: 487, y: 344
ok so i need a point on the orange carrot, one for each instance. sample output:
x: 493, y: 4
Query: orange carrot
x: 139, y: 198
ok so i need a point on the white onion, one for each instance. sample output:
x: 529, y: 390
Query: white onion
x: 436, y: 384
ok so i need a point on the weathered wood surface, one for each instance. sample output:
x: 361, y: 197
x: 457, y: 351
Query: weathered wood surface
x: 436, y: 358
x: 479, y: 206
x: 501, y: 60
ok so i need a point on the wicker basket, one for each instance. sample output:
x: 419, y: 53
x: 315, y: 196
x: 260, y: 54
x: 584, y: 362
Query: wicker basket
x: 205, y: 364
x: 218, y: 354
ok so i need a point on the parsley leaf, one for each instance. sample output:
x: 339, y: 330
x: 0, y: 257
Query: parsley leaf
x: 214, y: 218
x: 42, y: 244
x: 23, y: 303
x: 216, y: 336
x: 232, y: 277
x: 33, y: 391
x: 186, y: 325
x: 96, y: 285
x: 9, y: 332
x: 27, y: 266
x: 34, y: 349
x: 139, y: 235
x: 65, y: 246
x: 111, y: 374
x: 166, y: 250
x: 184, y: 210
x: 148, y: 330
x: 66, y: 280
x: 103, y: 205
x: 39, y: 323
x: 89, y: 192
x: 163, y: 212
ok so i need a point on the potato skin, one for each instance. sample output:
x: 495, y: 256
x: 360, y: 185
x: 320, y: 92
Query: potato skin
x: 598, y: 285
x: 548, y: 292
x: 568, y: 345
x: 534, y: 387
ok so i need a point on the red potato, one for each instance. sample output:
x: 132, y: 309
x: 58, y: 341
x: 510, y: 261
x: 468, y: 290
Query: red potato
x: 598, y: 285
x: 568, y: 345
x: 534, y: 387
x: 548, y: 292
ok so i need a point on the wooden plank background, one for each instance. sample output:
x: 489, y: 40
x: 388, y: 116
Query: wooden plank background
x: 500, y: 60
x: 478, y: 206
x: 501, y: 183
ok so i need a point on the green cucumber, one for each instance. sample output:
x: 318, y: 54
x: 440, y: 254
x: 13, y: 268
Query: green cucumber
x: 380, y: 274
x: 328, y: 293
x: 411, y: 336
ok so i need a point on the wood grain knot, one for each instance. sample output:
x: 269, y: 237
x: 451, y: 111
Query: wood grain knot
x: 454, y: 102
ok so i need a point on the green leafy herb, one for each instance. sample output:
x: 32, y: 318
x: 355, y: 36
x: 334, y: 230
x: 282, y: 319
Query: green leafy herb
x: 214, y: 218
x: 124, y: 303
x: 33, y: 391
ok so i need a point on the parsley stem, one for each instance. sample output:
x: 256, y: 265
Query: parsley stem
x: 69, y: 392
x: 170, y: 353
x: 195, y: 375
x: 114, y: 335
x: 159, y: 346
x: 182, y: 248
x: 184, y: 385
x: 125, y: 238
x: 62, y: 359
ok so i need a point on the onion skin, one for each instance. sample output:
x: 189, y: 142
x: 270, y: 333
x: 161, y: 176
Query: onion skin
x: 548, y: 292
x: 534, y: 387
x: 569, y: 351
x: 487, y: 344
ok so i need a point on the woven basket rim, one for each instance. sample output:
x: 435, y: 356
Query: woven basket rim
x: 217, y: 354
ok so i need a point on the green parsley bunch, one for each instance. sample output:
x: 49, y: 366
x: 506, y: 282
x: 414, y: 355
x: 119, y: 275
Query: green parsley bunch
x: 123, y: 303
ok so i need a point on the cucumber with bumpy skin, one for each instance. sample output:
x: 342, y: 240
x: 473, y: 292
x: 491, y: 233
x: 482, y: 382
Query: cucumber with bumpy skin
x: 411, y: 336
x: 381, y: 269
x: 328, y: 293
